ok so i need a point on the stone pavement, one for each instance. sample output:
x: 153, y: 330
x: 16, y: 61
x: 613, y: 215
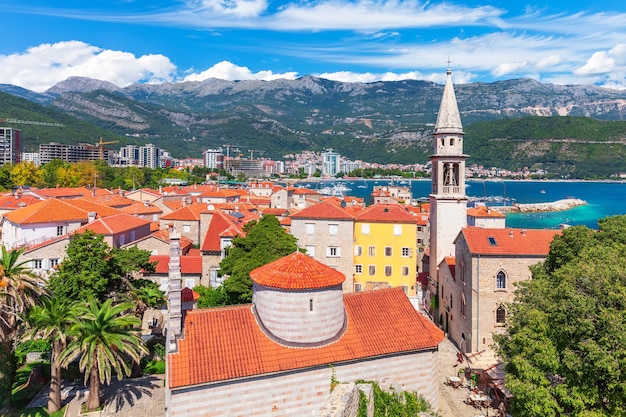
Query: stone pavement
x: 130, y: 397
x: 452, y: 400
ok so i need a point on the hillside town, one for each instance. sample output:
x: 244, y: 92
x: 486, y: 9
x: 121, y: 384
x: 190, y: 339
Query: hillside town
x: 374, y: 291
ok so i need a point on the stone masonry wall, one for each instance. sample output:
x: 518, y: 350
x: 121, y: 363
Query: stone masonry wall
x: 303, y: 393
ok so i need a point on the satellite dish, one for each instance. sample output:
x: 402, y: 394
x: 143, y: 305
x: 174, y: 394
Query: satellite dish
x: 343, y: 203
x: 210, y: 207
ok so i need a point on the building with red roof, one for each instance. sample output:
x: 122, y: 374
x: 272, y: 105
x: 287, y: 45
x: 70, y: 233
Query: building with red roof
x: 41, y: 221
x: 274, y: 357
x: 385, y: 249
x: 480, y: 280
x: 483, y: 216
x: 326, y: 231
x: 158, y: 243
x: 118, y: 229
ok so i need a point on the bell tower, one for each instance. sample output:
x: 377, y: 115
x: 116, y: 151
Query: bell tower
x: 448, y: 201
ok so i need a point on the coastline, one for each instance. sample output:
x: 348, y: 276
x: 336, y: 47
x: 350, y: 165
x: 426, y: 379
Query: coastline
x: 559, y: 205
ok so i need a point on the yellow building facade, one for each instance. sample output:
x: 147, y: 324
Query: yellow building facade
x: 385, y: 251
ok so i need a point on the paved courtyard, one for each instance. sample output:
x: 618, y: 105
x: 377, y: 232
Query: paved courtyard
x: 131, y: 397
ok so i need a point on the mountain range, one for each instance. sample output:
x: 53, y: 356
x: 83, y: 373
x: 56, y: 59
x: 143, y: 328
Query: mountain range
x: 573, y: 130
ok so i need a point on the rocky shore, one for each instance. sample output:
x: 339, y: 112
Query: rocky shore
x: 559, y: 205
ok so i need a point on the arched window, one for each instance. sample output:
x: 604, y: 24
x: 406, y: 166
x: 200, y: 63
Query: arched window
x: 500, y: 315
x: 451, y: 141
x: 463, y: 304
x: 501, y: 280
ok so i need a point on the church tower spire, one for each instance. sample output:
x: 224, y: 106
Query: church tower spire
x: 448, y: 119
x: 448, y: 201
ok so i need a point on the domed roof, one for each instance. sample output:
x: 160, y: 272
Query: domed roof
x: 297, y: 271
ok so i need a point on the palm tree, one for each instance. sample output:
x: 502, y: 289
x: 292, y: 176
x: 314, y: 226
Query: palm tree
x: 52, y: 320
x: 105, y: 338
x: 148, y: 296
x: 19, y: 290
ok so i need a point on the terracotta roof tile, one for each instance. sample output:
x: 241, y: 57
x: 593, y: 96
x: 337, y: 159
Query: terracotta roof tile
x: 530, y: 242
x: 297, y: 271
x: 386, y: 213
x: 189, y: 264
x: 190, y: 212
x: 220, y: 222
x: 112, y: 225
x: 10, y: 202
x: 58, y: 210
x: 225, y: 343
x: 482, y: 211
x: 323, y: 210
x: 451, y: 262
x: 138, y: 208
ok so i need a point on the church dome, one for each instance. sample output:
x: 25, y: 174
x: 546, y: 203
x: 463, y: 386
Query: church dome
x: 299, y: 301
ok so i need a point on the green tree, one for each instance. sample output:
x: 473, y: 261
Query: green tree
x: 564, y: 348
x: 93, y: 268
x: 105, y: 338
x: 27, y: 173
x: 19, y: 290
x: 210, y: 297
x: 52, y: 320
x: 265, y: 241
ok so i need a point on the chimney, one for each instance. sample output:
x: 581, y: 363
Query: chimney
x: 511, y: 233
x: 174, y: 298
x: 170, y: 228
x: 91, y: 216
x: 523, y: 232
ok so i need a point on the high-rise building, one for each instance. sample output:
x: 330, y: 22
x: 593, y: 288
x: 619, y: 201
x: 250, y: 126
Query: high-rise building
x: 448, y: 201
x: 10, y: 145
x: 213, y: 158
x: 149, y: 156
x: 331, y: 163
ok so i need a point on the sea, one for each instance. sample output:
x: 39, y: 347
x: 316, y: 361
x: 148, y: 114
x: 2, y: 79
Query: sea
x: 604, y: 198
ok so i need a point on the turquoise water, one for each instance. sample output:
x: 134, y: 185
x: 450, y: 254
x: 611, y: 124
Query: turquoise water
x: 603, y: 198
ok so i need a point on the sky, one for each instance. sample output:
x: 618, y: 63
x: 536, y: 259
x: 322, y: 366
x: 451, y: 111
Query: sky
x: 44, y: 42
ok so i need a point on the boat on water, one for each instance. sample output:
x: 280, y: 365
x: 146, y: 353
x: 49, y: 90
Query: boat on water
x: 334, y: 191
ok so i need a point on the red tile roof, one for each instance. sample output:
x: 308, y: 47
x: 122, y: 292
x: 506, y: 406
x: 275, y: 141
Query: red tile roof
x: 530, y: 242
x: 10, y: 202
x: 324, y: 210
x: 304, y: 191
x: 451, y: 262
x: 111, y: 200
x: 386, y: 213
x: 189, y: 264
x: 58, y: 210
x: 297, y: 271
x: 138, y: 208
x: 482, y: 211
x: 220, y: 224
x: 279, y: 212
x: 225, y: 343
x: 190, y: 212
x: 113, y: 225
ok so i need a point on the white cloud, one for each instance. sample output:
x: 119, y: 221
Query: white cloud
x: 228, y: 71
x: 40, y: 67
x: 239, y: 8
x: 599, y: 63
x: 508, y: 68
x: 368, y: 77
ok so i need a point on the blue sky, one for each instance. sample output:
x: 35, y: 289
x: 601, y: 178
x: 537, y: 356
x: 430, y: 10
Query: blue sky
x: 129, y: 41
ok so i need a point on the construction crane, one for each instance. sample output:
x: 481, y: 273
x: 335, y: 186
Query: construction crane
x: 30, y: 122
x: 252, y: 151
x: 99, y: 145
